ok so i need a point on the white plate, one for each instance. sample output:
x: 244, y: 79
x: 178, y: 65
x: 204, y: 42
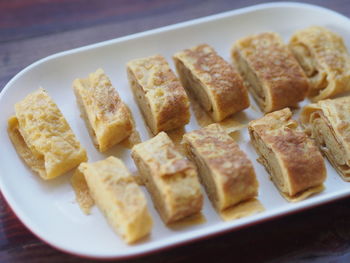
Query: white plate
x: 49, y: 209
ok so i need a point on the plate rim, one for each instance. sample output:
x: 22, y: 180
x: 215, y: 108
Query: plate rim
x: 199, y: 234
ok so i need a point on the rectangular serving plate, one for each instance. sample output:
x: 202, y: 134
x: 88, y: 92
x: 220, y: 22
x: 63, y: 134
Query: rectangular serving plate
x: 48, y: 208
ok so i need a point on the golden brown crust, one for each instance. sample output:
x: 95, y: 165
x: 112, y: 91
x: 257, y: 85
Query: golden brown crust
x: 274, y: 76
x: 219, y: 150
x: 231, y: 172
x: 223, y: 86
x: 36, y: 163
x: 43, y: 138
x: 328, y: 123
x: 158, y: 93
x: 170, y: 178
x: 325, y: 60
x: 300, y: 164
x: 119, y: 198
x: 108, y: 119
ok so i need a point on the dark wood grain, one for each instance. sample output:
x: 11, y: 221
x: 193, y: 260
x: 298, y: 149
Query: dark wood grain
x: 33, y: 29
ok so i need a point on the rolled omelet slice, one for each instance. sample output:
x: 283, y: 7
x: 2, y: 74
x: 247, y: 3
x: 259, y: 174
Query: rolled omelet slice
x: 213, y: 82
x: 325, y: 60
x: 108, y: 119
x: 272, y: 74
x: 119, y: 198
x: 170, y: 178
x: 292, y: 159
x: 158, y: 93
x: 43, y: 138
x: 328, y: 122
x: 224, y: 169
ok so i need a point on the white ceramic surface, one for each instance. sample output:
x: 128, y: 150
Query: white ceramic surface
x: 49, y: 209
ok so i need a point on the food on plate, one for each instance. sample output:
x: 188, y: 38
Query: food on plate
x: 224, y: 169
x: 82, y: 192
x: 323, y: 56
x: 159, y: 94
x: 43, y: 138
x: 169, y: 177
x: 108, y: 119
x: 119, y: 198
x: 212, y: 81
x: 272, y: 74
x: 328, y: 122
x: 292, y: 159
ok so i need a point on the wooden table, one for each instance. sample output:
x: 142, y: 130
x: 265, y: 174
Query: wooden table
x: 32, y: 29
